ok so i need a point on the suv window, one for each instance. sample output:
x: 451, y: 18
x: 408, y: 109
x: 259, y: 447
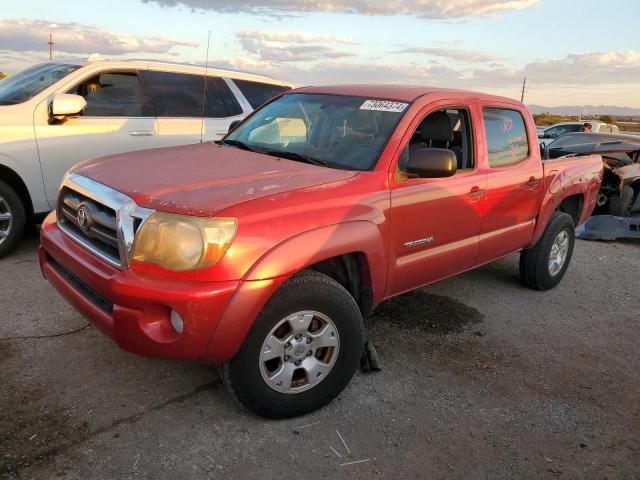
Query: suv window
x: 258, y: 93
x: 555, y: 132
x: 28, y: 83
x: 177, y: 94
x: 221, y: 102
x: 182, y: 95
x: 112, y: 94
x: 507, y: 140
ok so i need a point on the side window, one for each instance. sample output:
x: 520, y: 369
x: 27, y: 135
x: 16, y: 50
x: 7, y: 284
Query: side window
x: 221, y: 102
x: 448, y: 128
x: 112, y: 94
x: 177, y: 94
x: 257, y: 93
x: 507, y: 140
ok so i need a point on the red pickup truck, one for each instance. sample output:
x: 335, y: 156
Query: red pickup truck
x: 265, y: 251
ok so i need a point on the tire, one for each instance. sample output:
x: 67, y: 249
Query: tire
x: 536, y: 269
x: 12, y: 219
x: 308, y: 293
x: 620, y: 205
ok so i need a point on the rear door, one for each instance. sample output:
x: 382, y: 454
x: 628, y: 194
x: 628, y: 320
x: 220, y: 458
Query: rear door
x: 115, y: 121
x: 514, y: 182
x: 188, y: 108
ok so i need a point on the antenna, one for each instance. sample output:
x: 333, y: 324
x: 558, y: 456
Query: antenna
x: 204, y: 85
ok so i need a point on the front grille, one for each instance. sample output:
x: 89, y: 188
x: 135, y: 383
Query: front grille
x: 101, y: 219
x: 95, y: 226
x: 81, y: 287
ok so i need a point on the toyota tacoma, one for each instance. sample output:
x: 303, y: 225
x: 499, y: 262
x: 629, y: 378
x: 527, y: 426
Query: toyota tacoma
x: 265, y: 251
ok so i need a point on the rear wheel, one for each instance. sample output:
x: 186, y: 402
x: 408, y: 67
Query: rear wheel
x: 543, y: 266
x: 12, y: 219
x: 302, y: 350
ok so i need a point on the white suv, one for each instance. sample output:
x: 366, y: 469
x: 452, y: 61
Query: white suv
x: 55, y: 114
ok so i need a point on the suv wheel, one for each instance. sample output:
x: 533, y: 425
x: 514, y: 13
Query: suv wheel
x: 543, y: 266
x: 12, y: 219
x: 302, y: 350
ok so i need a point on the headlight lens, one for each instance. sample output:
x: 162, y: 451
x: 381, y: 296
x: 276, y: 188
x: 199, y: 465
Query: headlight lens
x: 182, y: 243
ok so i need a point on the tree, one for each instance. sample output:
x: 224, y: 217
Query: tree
x: 607, y: 119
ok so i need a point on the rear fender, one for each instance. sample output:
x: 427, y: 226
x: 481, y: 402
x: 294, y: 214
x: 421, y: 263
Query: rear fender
x: 284, y: 260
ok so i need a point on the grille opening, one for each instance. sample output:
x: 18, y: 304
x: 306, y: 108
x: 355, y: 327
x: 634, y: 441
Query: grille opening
x: 86, y: 291
x: 101, y: 235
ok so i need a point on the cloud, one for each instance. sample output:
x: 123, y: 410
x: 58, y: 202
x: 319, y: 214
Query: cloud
x: 275, y: 46
x: 457, y: 55
x: 25, y: 35
x: 588, y: 68
x: 431, y: 9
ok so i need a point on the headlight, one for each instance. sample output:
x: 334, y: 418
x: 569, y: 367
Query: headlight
x: 182, y: 243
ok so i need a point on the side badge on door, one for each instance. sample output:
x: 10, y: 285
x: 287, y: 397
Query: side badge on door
x: 417, y: 243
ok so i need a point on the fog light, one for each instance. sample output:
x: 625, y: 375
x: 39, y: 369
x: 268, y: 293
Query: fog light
x: 176, y: 322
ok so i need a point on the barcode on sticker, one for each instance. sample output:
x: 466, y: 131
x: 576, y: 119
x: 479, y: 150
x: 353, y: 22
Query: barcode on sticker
x: 384, y: 106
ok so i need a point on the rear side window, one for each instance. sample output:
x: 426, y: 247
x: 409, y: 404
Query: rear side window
x: 112, y: 94
x: 507, y: 140
x: 177, y: 94
x: 221, y: 102
x: 183, y: 95
x: 258, y: 93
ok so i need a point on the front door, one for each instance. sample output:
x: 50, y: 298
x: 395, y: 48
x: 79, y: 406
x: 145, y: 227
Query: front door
x: 113, y: 122
x: 435, y: 221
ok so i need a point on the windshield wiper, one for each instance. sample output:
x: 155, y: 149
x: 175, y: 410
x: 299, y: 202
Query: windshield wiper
x: 297, y: 156
x: 238, y: 144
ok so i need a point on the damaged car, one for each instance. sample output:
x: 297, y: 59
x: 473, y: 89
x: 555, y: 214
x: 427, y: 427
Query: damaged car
x: 620, y: 190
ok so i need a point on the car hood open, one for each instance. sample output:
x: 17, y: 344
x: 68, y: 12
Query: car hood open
x: 203, y: 179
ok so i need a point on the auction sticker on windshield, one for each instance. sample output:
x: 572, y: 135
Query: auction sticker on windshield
x: 384, y: 106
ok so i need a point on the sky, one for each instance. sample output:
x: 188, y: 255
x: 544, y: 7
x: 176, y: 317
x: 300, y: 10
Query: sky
x: 571, y: 52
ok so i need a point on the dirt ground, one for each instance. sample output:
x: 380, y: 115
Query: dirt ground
x: 482, y: 379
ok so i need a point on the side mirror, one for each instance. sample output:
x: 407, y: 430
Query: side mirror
x: 65, y: 105
x: 233, y: 125
x: 432, y: 163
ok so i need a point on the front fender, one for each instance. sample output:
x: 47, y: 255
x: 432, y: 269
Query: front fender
x: 280, y: 263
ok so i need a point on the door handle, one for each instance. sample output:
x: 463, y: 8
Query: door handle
x: 141, y: 133
x: 533, y: 182
x: 476, y: 192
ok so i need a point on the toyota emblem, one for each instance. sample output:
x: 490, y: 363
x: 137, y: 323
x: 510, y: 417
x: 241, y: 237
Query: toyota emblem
x: 84, y: 220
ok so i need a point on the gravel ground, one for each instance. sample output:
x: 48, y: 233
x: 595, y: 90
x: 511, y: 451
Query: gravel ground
x: 482, y: 378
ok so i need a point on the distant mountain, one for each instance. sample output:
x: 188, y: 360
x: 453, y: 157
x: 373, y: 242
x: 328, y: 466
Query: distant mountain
x: 586, y: 110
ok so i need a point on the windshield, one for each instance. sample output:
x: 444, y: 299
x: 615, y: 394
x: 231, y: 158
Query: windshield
x: 26, y: 84
x: 332, y: 130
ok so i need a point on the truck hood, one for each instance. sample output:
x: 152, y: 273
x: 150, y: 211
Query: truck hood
x: 203, y: 179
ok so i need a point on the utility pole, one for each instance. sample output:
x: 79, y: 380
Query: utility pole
x: 524, y: 84
x: 50, y: 43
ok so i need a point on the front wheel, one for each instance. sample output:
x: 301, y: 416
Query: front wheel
x: 12, y: 219
x: 302, y: 350
x: 543, y: 266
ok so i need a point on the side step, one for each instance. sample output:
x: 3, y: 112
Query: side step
x: 608, y: 227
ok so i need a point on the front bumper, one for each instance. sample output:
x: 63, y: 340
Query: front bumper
x: 134, y: 308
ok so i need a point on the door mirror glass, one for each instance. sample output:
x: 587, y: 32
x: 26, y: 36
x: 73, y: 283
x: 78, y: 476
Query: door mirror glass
x: 432, y: 163
x: 65, y: 105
